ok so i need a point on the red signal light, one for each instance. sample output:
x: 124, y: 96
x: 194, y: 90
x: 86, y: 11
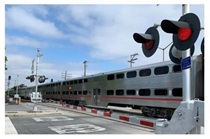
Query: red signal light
x: 184, y: 34
x: 149, y: 40
x: 149, y: 44
x: 185, y: 31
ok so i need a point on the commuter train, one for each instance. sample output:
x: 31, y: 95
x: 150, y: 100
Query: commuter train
x: 155, y: 88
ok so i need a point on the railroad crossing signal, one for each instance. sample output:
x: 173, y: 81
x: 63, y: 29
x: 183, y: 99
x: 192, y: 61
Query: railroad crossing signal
x: 31, y: 78
x: 42, y: 79
x: 176, y: 55
x: 202, y: 46
x: 185, y: 31
x: 149, y: 40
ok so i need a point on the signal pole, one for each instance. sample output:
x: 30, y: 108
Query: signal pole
x: 37, y: 62
x: 132, y: 59
x: 186, y: 78
x: 186, y: 73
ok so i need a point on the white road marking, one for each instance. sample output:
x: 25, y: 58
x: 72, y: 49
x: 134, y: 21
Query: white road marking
x: 78, y: 128
x: 9, y: 127
x: 53, y: 118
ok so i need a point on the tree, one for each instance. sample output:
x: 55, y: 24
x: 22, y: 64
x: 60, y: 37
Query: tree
x: 5, y: 62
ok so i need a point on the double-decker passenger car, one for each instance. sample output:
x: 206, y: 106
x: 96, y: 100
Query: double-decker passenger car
x: 155, y: 88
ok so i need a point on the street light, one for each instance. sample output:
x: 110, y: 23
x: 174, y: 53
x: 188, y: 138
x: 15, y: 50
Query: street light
x: 85, y: 67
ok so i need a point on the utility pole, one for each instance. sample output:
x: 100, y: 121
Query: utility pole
x: 163, y: 49
x: 132, y: 59
x: 65, y: 75
x: 16, y: 94
x: 85, y: 67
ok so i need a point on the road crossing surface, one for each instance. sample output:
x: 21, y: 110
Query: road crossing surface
x: 66, y: 122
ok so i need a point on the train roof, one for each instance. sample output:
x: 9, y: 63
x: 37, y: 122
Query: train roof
x: 122, y: 70
x: 115, y: 71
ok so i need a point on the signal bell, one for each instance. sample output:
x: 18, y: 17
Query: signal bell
x: 185, y: 31
x: 149, y: 40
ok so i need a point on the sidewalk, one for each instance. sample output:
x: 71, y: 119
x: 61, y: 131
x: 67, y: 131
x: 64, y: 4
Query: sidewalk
x: 9, y: 128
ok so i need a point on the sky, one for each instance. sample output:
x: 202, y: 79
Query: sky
x: 69, y: 34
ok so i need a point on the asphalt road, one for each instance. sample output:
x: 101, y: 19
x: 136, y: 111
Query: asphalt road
x: 69, y: 122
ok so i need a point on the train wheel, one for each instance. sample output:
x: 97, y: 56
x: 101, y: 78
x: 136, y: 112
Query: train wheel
x: 152, y: 112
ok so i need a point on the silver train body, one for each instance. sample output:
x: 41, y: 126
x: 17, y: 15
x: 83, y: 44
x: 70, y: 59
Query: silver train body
x: 155, y: 87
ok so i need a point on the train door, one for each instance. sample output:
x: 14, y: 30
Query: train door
x: 96, y: 96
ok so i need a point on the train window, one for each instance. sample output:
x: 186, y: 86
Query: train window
x: 161, y: 92
x: 63, y: 93
x: 70, y: 92
x: 58, y: 92
x: 145, y: 72
x: 131, y: 92
x: 80, y: 92
x: 67, y: 82
x: 161, y: 70
x: 120, y: 75
x: 177, y: 68
x: 67, y: 92
x: 177, y: 92
x: 85, y: 92
x: 80, y: 81
x: 59, y: 84
x: 119, y: 92
x: 75, y: 81
x: 110, y: 77
x: 144, y: 92
x: 75, y: 92
x: 85, y: 80
x: 110, y: 92
x: 71, y: 82
x: 131, y: 74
